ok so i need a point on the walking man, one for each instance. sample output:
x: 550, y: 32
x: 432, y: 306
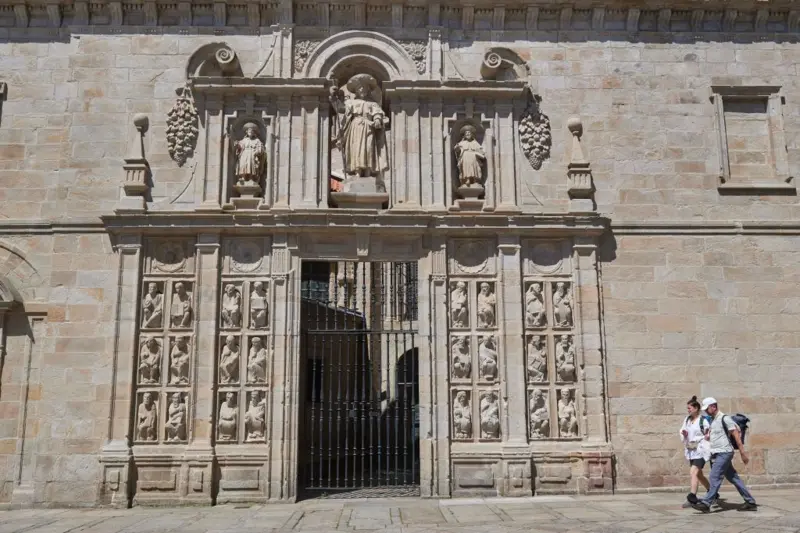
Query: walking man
x: 723, y: 431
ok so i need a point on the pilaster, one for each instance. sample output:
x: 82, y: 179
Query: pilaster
x: 211, y: 165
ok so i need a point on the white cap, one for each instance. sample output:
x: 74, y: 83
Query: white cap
x: 708, y: 401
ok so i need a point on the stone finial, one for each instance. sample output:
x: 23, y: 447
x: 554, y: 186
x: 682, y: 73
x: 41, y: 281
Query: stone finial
x: 579, y: 172
x: 136, y: 187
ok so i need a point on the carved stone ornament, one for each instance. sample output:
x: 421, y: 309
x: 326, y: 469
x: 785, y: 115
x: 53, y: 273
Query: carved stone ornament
x: 471, y: 257
x: 567, y: 414
x: 182, y: 127
x: 181, y: 311
x: 169, y: 257
x: 179, y: 361
x: 459, y: 305
x: 254, y: 417
x: 534, y: 134
x: 462, y: 416
x: 228, y: 418
x: 257, y: 361
x: 251, y: 157
x: 546, y: 257
x: 303, y: 49
x: 565, y: 359
x: 147, y: 419
x: 231, y: 307
x: 490, y: 416
x: 562, y: 305
x: 461, y: 358
x: 150, y: 361
x: 539, y: 414
x: 259, y: 307
x: 175, y: 426
x: 418, y: 51
x: 487, y: 303
x: 487, y: 357
x: 246, y: 256
x: 229, y: 361
x: 153, y: 307
x: 537, y: 359
x: 535, y: 312
x: 470, y: 160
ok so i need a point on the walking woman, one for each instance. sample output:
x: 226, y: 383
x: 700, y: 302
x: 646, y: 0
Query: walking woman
x: 692, y: 435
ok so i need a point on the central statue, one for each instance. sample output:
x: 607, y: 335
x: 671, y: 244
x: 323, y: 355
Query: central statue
x: 361, y: 136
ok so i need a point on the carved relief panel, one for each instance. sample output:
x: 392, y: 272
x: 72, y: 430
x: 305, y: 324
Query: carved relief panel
x: 551, y: 362
x: 245, y: 342
x: 474, y: 347
x: 165, y: 343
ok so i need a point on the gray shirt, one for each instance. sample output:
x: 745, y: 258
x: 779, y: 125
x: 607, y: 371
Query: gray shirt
x: 719, y: 440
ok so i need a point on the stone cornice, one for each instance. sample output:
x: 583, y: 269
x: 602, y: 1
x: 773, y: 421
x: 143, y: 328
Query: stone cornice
x: 262, y: 86
x: 735, y: 17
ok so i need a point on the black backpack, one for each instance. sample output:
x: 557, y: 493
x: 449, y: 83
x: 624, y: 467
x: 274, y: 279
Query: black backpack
x: 741, y: 421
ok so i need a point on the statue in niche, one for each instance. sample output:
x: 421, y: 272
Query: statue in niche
x: 487, y: 357
x: 490, y: 416
x: 228, y: 413
x: 229, y: 361
x: 152, y: 312
x: 179, y: 362
x: 258, y: 306
x: 562, y: 305
x: 540, y: 415
x: 251, y: 156
x: 486, y: 306
x: 231, y: 307
x: 254, y: 417
x: 257, y: 362
x: 535, y: 314
x: 462, y: 364
x: 470, y: 157
x: 361, y: 137
x: 537, y: 359
x: 565, y: 359
x: 147, y: 419
x: 181, y: 311
x: 150, y: 361
x: 176, y: 419
x: 462, y: 416
x: 567, y: 415
x: 459, y: 310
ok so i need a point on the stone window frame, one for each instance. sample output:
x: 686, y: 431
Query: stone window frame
x: 781, y: 182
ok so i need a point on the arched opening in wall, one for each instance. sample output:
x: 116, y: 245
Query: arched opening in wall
x: 359, y: 380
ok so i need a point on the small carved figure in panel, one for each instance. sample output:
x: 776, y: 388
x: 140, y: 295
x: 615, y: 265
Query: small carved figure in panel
x: 462, y: 416
x: 228, y: 414
x: 181, y: 311
x: 562, y: 305
x: 251, y: 156
x: 459, y: 306
x: 150, y: 361
x: 229, y: 361
x: 257, y: 362
x: 361, y: 135
x: 147, y: 419
x: 535, y: 314
x: 462, y: 361
x: 487, y: 302
x: 179, y: 362
x: 176, y: 419
x: 231, y: 307
x: 540, y: 415
x: 567, y: 414
x: 254, y: 417
x: 152, y: 307
x: 490, y: 416
x: 537, y: 359
x: 258, y: 306
x: 487, y: 357
x: 565, y: 359
x: 470, y: 156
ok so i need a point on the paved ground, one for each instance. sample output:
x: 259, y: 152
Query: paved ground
x: 652, y: 513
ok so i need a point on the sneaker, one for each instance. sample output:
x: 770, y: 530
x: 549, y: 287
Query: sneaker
x: 701, y: 506
x: 686, y: 505
x: 747, y: 506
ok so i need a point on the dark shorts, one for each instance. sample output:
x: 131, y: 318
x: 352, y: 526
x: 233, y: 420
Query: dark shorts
x: 699, y: 463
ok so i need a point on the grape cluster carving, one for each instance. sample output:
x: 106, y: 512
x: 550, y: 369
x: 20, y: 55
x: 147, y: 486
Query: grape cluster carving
x: 534, y: 135
x: 182, y: 129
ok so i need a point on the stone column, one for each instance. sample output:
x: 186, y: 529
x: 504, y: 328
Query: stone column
x: 115, y: 455
x: 199, y: 456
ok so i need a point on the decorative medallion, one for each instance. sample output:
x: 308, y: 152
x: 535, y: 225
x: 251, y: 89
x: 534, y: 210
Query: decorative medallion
x: 546, y: 257
x: 302, y: 50
x: 246, y: 256
x: 169, y: 257
x: 534, y: 134
x: 182, y: 125
x: 471, y: 257
x: 418, y: 50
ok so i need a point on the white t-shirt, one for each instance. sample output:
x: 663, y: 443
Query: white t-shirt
x: 720, y: 443
x: 694, y: 442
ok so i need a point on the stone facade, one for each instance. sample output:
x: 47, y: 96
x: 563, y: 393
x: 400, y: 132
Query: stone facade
x: 624, y: 238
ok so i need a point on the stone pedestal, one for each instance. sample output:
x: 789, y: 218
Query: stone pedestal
x: 249, y: 196
x: 361, y: 193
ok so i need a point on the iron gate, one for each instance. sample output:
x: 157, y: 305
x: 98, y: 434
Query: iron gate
x: 358, y: 330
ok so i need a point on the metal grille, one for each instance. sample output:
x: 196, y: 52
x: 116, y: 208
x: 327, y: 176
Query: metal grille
x: 358, y: 330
